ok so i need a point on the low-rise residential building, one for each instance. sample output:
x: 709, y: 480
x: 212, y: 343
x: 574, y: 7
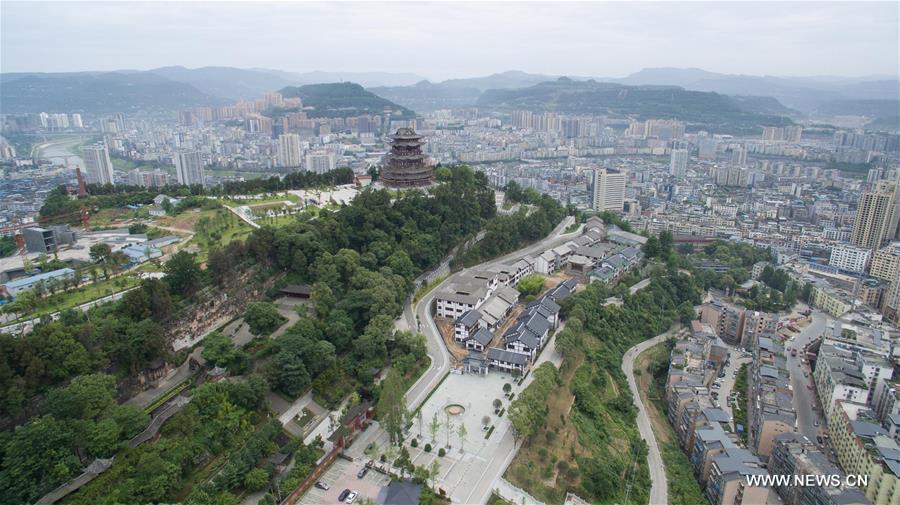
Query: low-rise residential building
x: 14, y: 287
x: 507, y: 360
x: 771, y: 410
x: 864, y: 448
x: 830, y: 300
x: 479, y: 340
x: 466, y: 325
x: 795, y: 455
x: 838, y: 377
x: 465, y: 293
x: 728, y: 478
x: 849, y: 258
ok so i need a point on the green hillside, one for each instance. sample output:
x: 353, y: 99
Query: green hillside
x: 700, y: 110
x: 342, y: 99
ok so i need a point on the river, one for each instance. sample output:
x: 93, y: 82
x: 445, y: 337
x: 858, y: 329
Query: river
x: 62, y: 151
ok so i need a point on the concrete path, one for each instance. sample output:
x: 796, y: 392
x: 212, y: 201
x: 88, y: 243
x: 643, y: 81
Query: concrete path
x: 659, y: 486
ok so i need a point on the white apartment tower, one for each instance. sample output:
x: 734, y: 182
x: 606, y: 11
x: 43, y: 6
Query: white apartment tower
x: 678, y: 162
x: 98, y: 166
x: 320, y: 162
x: 289, y: 150
x: 189, y: 168
x: 739, y: 155
x: 609, y: 190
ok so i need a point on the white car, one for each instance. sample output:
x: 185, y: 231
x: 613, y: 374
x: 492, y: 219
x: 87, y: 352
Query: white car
x: 351, y: 497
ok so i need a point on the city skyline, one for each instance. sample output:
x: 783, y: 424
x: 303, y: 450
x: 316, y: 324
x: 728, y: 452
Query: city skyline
x: 147, y: 35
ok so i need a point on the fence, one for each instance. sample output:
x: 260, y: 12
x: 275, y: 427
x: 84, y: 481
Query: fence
x: 316, y: 473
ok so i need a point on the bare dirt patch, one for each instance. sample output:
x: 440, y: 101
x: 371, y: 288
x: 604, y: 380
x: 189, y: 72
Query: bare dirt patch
x: 184, y: 221
x: 456, y: 349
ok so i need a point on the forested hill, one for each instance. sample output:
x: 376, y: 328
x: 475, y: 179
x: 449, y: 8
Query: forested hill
x: 706, y: 110
x: 342, y: 99
x: 98, y: 93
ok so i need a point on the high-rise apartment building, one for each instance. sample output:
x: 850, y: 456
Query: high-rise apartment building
x: 189, y: 168
x: 739, y: 155
x: 707, y: 148
x: 793, y: 133
x: 98, y: 166
x: 772, y: 133
x: 609, y: 190
x: 678, y: 162
x: 76, y: 121
x: 876, y: 216
x: 289, y: 150
x: 320, y: 162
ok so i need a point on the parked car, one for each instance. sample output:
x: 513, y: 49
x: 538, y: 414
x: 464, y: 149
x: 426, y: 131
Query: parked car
x: 362, y: 472
x: 322, y: 485
x: 343, y: 495
x: 815, y: 423
x: 805, y: 373
x: 351, y: 497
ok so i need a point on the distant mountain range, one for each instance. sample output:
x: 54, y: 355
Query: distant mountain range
x: 98, y: 92
x: 806, y: 94
x: 873, y: 96
x: 177, y: 87
x: 706, y: 110
x: 166, y: 88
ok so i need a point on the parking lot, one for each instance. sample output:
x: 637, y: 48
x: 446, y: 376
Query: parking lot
x: 342, y: 475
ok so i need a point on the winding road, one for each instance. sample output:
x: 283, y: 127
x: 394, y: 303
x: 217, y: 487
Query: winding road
x: 418, y: 317
x: 659, y: 485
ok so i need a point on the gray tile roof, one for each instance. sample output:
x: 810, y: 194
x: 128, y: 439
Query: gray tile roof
x: 507, y: 356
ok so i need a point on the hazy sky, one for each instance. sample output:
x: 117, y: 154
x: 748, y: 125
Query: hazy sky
x: 442, y: 40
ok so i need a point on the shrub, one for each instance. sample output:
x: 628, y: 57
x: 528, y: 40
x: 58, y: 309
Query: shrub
x: 427, y: 447
x: 442, y: 452
x: 383, y: 458
x: 414, y: 443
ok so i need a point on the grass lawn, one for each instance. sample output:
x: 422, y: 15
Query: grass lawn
x: 83, y: 294
x: 217, y: 228
x: 109, y: 217
x: 263, y: 198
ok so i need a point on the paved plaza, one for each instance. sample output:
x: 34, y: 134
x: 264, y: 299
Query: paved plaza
x: 474, y: 468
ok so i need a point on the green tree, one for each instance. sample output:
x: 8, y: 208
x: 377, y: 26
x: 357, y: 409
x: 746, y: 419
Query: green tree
x: 262, y: 317
x: 289, y: 374
x: 433, y: 427
x: 101, y: 253
x: 461, y: 432
x: 86, y: 397
x: 530, y: 285
x: 391, y: 406
x: 256, y: 479
x: 182, y: 273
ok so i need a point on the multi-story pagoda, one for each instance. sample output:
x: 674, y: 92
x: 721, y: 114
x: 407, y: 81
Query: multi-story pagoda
x: 406, y: 166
